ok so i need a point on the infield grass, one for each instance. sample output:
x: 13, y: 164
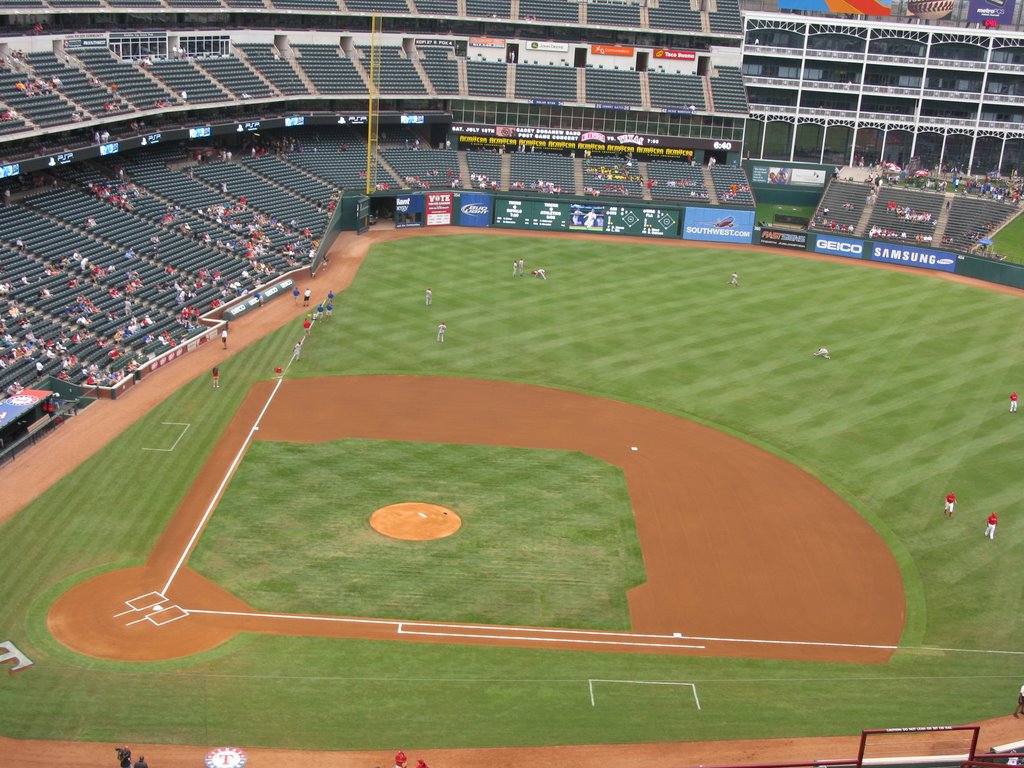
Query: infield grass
x: 912, y: 405
x: 547, y: 537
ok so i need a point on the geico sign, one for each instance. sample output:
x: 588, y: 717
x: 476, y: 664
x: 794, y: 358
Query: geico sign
x: 723, y: 145
x: 839, y: 247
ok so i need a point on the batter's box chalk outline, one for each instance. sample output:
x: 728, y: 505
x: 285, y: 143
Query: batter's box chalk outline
x: 691, y: 686
x: 181, y: 424
x: 161, y: 615
x: 142, y: 602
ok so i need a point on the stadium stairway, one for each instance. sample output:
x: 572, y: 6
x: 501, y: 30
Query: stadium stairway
x: 705, y: 83
x: 290, y: 60
x: 645, y: 87
x: 423, y: 75
x: 239, y: 54
x: 506, y: 171
x: 943, y: 220
x: 577, y: 175
x: 865, y: 217
x: 642, y: 168
x: 464, y: 168
x: 709, y: 184
x: 395, y: 178
x: 581, y: 83
x: 510, y: 70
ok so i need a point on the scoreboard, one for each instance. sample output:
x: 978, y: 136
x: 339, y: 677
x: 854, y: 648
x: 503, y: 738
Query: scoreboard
x: 586, y: 217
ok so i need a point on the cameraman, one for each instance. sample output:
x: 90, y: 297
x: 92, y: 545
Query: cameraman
x: 124, y: 757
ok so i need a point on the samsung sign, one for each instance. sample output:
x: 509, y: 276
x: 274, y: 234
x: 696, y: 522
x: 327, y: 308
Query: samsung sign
x: 839, y: 246
x: 910, y: 256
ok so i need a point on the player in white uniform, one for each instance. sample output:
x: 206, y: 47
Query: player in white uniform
x: 540, y: 273
x: 441, y: 328
x: 590, y: 218
x: 735, y: 279
x: 823, y: 352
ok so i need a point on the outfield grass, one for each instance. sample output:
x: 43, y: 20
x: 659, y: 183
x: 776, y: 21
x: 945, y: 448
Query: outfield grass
x: 530, y: 519
x: 1009, y: 242
x: 912, y: 405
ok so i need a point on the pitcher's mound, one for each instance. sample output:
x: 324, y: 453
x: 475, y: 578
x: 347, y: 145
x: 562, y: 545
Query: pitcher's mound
x: 414, y: 521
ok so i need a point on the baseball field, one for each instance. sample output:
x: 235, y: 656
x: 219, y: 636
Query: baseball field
x: 771, y: 561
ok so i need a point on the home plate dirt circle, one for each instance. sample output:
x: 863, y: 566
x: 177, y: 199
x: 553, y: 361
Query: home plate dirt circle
x: 415, y: 521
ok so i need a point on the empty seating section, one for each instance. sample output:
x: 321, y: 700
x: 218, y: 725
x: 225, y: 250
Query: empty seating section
x: 674, y: 91
x: 544, y: 10
x: 289, y: 176
x: 486, y: 167
x: 377, y: 6
x: 727, y: 18
x: 612, y: 176
x: 194, y: 3
x: 397, y: 74
x: 182, y: 77
x: 38, y: 103
x: 494, y: 9
x: 75, y: 85
x: 244, y: 3
x: 339, y: 160
x: 125, y: 79
x: 674, y: 14
x: 423, y: 168
x: 727, y: 91
x: 328, y: 71
x: 612, y: 86
x: 972, y: 219
x: 438, y: 7
x: 841, y: 207
x: 731, y: 185
x: 676, y: 181
x: 307, y: 5
x: 486, y: 78
x: 442, y: 70
x: 542, y: 173
x: 905, y: 215
x: 273, y: 68
x: 13, y: 126
x: 613, y: 15
x: 135, y: 3
x: 236, y: 77
x: 261, y: 195
x: 534, y: 81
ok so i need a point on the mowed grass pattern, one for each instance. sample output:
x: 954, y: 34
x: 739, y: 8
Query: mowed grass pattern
x: 912, y: 405
x: 547, y: 537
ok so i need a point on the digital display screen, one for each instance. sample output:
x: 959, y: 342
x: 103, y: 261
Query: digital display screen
x: 11, y: 169
x: 411, y: 119
x: 199, y: 133
x: 291, y: 122
x: 110, y: 149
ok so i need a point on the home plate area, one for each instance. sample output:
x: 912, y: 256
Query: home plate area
x: 156, y: 608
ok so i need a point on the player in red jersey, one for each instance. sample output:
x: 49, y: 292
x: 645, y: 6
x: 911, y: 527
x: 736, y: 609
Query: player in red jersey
x: 401, y: 759
x: 990, y: 531
x: 950, y: 503
x: 1013, y: 402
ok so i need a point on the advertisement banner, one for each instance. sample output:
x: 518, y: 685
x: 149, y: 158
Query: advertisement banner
x: 408, y: 211
x: 718, y: 225
x: 912, y: 256
x: 540, y: 45
x: 1000, y: 11
x: 474, y: 209
x: 572, y: 140
x: 485, y: 42
x: 777, y: 174
x: 784, y: 238
x: 612, y: 50
x: 839, y: 246
x: 439, y: 208
x: 840, y: 7
x: 675, y: 54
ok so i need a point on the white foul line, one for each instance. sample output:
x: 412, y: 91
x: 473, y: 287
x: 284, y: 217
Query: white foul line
x: 220, y: 489
x: 528, y: 639
x: 172, y: 424
x: 593, y: 703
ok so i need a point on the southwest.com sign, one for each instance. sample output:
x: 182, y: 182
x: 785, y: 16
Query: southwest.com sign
x: 719, y: 225
x: 910, y: 256
x: 839, y: 246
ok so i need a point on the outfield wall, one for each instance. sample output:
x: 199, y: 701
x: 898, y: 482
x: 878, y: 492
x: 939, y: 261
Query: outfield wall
x: 661, y: 219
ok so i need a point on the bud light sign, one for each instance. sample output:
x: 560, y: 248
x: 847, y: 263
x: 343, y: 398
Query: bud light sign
x: 923, y: 258
x: 474, y: 209
x: 719, y: 225
x: 839, y: 246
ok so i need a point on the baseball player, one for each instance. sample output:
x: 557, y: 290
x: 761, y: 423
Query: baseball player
x: 401, y: 759
x: 216, y: 377
x: 441, y: 328
x: 430, y: 297
x: 990, y: 531
x: 735, y: 279
x: 823, y: 352
x: 1013, y: 402
x: 522, y: 267
x: 1020, y: 703
x: 540, y: 273
x: 950, y: 503
x: 515, y: 268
